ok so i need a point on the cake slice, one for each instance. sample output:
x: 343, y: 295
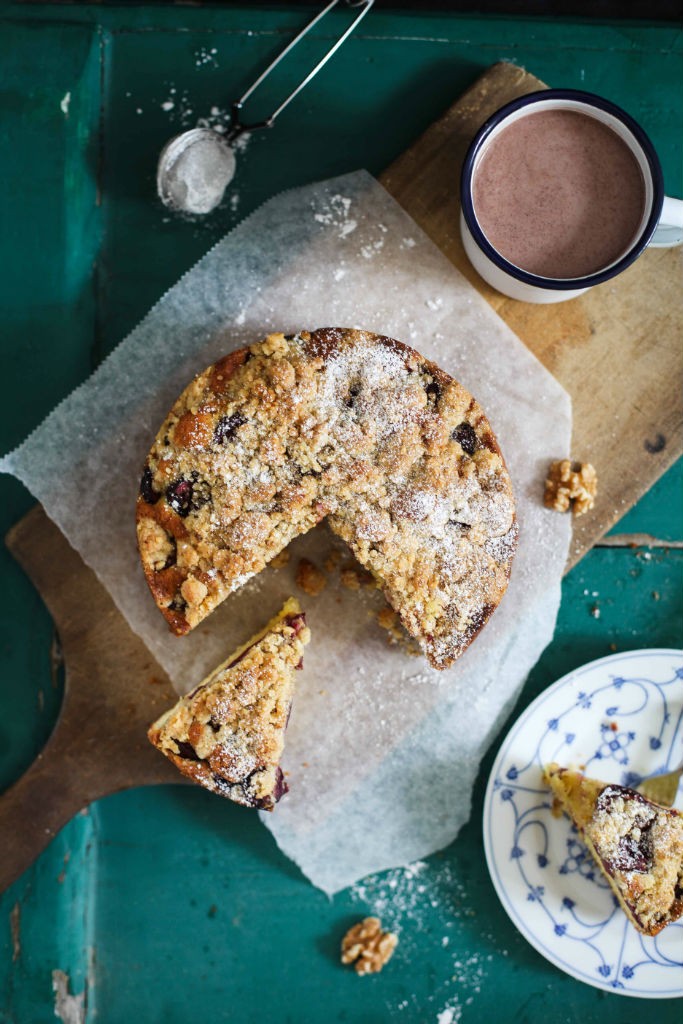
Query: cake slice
x: 637, y: 844
x: 228, y: 733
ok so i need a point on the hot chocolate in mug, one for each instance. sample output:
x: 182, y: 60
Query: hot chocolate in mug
x: 562, y: 190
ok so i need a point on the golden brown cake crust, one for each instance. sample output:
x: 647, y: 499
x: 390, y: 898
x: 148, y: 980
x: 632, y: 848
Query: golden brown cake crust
x: 228, y: 733
x: 637, y: 844
x: 336, y: 423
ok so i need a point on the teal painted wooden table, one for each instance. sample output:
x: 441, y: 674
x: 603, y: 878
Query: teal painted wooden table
x: 167, y: 904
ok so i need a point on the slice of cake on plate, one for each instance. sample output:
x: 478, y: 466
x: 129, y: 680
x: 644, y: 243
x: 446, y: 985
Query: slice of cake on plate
x: 228, y: 733
x: 637, y: 844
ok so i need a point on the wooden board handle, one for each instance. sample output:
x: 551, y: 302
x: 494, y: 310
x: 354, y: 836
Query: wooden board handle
x: 33, y: 811
x: 113, y: 690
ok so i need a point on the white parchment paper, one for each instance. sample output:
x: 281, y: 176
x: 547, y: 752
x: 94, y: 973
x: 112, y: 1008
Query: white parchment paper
x: 382, y: 750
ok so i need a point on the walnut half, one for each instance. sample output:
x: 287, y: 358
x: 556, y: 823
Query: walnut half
x: 368, y: 945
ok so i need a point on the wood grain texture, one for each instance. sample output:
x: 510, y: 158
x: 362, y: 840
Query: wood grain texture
x: 618, y: 349
x: 113, y: 690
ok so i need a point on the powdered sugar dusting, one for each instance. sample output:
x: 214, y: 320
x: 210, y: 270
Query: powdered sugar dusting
x: 336, y: 214
x: 228, y: 733
x: 449, y: 1015
x: 413, y: 902
x: 206, y: 55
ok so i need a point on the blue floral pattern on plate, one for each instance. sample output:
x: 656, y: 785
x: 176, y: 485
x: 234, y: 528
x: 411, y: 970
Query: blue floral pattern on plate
x: 620, y: 719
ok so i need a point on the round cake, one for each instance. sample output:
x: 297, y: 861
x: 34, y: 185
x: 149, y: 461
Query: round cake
x: 338, y: 424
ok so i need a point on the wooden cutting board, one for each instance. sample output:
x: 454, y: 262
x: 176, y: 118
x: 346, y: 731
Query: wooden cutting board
x: 618, y: 353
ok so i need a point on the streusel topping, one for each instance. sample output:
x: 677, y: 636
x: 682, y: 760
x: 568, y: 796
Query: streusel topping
x: 641, y: 847
x: 228, y: 733
x: 340, y: 424
x: 637, y: 843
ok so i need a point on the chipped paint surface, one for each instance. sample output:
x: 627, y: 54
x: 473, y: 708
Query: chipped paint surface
x: 56, y: 659
x: 62, y: 874
x: 69, y: 1008
x: 15, y: 930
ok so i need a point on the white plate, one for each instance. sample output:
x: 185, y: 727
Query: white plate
x: 620, y: 718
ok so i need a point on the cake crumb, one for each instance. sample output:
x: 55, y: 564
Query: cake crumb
x: 310, y: 578
x: 571, y: 483
x: 353, y: 577
x: 280, y: 560
x: 332, y: 560
x: 389, y: 621
x: 367, y: 945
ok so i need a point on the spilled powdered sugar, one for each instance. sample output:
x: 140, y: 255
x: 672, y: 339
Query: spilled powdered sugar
x: 206, y: 55
x: 335, y: 214
x: 430, y: 909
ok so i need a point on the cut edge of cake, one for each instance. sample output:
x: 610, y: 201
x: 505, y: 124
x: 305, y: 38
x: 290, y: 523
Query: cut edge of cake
x: 636, y: 843
x: 227, y: 734
x: 186, y: 591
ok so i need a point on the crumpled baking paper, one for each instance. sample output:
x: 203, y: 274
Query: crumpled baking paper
x: 382, y: 751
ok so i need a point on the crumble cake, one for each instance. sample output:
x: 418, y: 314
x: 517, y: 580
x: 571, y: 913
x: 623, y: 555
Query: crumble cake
x: 336, y: 423
x: 228, y: 733
x: 637, y: 844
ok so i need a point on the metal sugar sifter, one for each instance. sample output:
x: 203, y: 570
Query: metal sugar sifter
x: 196, y: 166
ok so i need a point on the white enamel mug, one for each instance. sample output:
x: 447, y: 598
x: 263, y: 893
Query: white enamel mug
x: 661, y: 223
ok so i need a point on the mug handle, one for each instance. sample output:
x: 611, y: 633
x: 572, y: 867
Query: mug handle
x: 669, y: 231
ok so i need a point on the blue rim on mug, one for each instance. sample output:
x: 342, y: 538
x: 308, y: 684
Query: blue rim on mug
x: 562, y: 283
